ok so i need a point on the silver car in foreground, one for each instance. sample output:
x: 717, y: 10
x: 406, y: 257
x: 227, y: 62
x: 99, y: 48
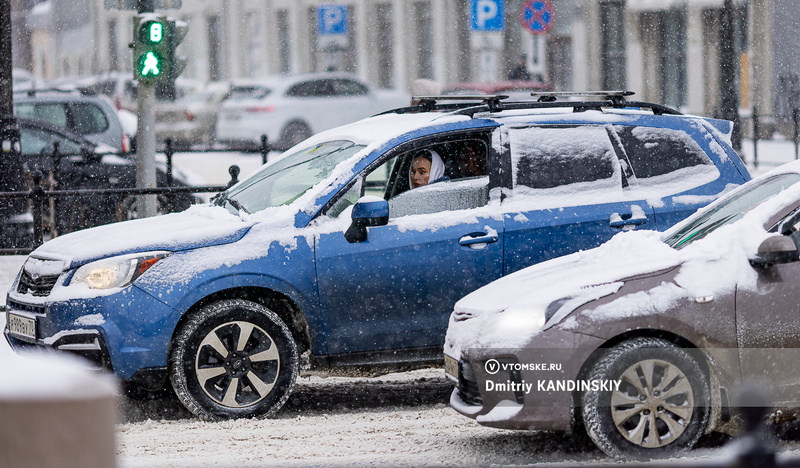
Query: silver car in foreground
x: 644, y: 341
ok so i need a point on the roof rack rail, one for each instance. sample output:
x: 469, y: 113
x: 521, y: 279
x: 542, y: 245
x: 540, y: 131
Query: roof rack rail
x: 615, y: 96
x: 546, y: 100
x: 33, y: 91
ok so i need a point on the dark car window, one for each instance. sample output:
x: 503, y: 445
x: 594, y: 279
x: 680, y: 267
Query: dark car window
x: 239, y: 93
x: 345, y: 87
x: 37, y: 141
x: 548, y: 157
x: 657, y: 151
x: 732, y: 209
x: 312, y: 88
x: 51, y: 112
x: 88, y: 118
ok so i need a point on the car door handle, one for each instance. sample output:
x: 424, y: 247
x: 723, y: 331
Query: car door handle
x: 626, y: 221
x: 478, y: 238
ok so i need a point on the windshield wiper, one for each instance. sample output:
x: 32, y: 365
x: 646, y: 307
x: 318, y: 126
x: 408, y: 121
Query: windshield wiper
x: 236, y: 204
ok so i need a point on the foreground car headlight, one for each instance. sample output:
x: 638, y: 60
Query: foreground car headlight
x: 116, y: 272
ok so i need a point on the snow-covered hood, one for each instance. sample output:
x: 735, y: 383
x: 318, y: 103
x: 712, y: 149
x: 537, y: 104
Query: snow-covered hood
x: 199, y: 226
x: 506, y: 312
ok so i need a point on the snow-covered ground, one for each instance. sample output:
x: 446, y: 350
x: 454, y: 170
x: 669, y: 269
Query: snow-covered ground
x: 398, y: 419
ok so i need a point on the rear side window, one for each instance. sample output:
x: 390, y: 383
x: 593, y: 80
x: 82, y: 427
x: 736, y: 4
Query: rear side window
x: 88, y: 118
x: 239, y: 93
x: 312, y: 88
x: 39, y: 142
x: 549, y: 157
x: 344, y: 87
x: 658, y: 151
x: 52, y: 112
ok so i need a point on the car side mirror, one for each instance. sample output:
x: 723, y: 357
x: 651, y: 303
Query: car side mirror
x: 775, y: 250
x: 368, y: 211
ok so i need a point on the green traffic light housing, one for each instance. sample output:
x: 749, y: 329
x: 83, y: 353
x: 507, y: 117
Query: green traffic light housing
x: 151, y: 51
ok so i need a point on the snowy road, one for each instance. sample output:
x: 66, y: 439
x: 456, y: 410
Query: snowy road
x: 395, y: 420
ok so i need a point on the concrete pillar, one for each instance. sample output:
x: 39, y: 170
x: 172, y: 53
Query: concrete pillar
x: 695, y: 59
x: 362, y: 20
x: 634, y: 50
x: 55, y: 414
x: 400, y: 10
x: 760, y: 13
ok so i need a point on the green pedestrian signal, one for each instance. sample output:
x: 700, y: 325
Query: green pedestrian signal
x: 150, y: 48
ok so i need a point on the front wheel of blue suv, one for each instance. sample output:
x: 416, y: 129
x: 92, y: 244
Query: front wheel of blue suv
x: 233, y: 358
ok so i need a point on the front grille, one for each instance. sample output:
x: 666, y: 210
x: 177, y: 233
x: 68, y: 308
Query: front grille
x: 36, y: 285
x: 468, y: 388
x: 16, y: 306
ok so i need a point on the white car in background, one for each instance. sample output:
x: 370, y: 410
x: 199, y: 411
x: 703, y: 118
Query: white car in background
x: 289, y: 109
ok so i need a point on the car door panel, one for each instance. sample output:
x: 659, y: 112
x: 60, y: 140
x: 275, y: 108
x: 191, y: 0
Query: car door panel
x: 568, y: 194
x: 428, y: 268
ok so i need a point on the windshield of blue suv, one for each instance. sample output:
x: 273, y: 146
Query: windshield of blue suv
x: 289, y: 178
x: 729, y: 210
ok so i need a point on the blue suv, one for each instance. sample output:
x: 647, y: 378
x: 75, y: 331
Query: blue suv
x: 326, y: 257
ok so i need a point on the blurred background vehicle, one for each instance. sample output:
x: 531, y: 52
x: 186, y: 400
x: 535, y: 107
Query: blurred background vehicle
x: 22, y: 79
x: 192, y: 117
x: 85, y: 164
x: 514, y: 89
x: 90, y: 115
x: 289, y: 109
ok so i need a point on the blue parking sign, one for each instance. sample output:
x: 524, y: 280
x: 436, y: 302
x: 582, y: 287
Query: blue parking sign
x: 487, y: 15
x: 331, y: 20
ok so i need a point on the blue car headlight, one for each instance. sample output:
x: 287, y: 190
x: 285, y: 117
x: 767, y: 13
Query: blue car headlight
x: 116, y: 272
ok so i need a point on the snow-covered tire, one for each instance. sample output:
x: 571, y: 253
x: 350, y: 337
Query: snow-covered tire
x: 232, y: 359
x: 663, y: 390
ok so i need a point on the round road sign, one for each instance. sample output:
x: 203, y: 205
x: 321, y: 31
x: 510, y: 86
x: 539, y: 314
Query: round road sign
x: 537, y: 16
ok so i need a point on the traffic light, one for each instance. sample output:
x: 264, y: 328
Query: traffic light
x: 150, y: 47
x: 176, y: 32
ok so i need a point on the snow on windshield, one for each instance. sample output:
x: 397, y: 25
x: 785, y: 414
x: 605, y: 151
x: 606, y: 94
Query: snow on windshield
x: 507, y: 312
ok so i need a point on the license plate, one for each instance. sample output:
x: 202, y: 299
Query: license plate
x: 451, y: 368
x: 22, y: 327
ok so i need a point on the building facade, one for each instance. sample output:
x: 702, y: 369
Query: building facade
x: 667, y: 51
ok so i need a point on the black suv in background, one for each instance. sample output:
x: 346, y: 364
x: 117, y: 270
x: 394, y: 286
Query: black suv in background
x: 79, y: 164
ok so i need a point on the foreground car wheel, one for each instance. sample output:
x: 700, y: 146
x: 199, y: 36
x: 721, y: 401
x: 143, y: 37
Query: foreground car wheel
x: 233, y: 358
x: 660, y: 407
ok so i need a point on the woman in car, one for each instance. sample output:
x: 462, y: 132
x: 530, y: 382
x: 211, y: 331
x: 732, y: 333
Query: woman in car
x: 426, y: 168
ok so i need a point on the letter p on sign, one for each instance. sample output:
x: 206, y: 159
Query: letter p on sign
x: 487, y: 15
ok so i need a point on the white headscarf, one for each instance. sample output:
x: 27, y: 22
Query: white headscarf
x: 437, y: 166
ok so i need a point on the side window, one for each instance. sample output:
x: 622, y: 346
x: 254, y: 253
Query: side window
x: 311, y: 88
x: 553, y: 157
x: 88, y: 118
x: 35, y: 141
x: 345, y: 87
x: 53, y: 113
x: 655, y: 152
x: 461, y: 183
